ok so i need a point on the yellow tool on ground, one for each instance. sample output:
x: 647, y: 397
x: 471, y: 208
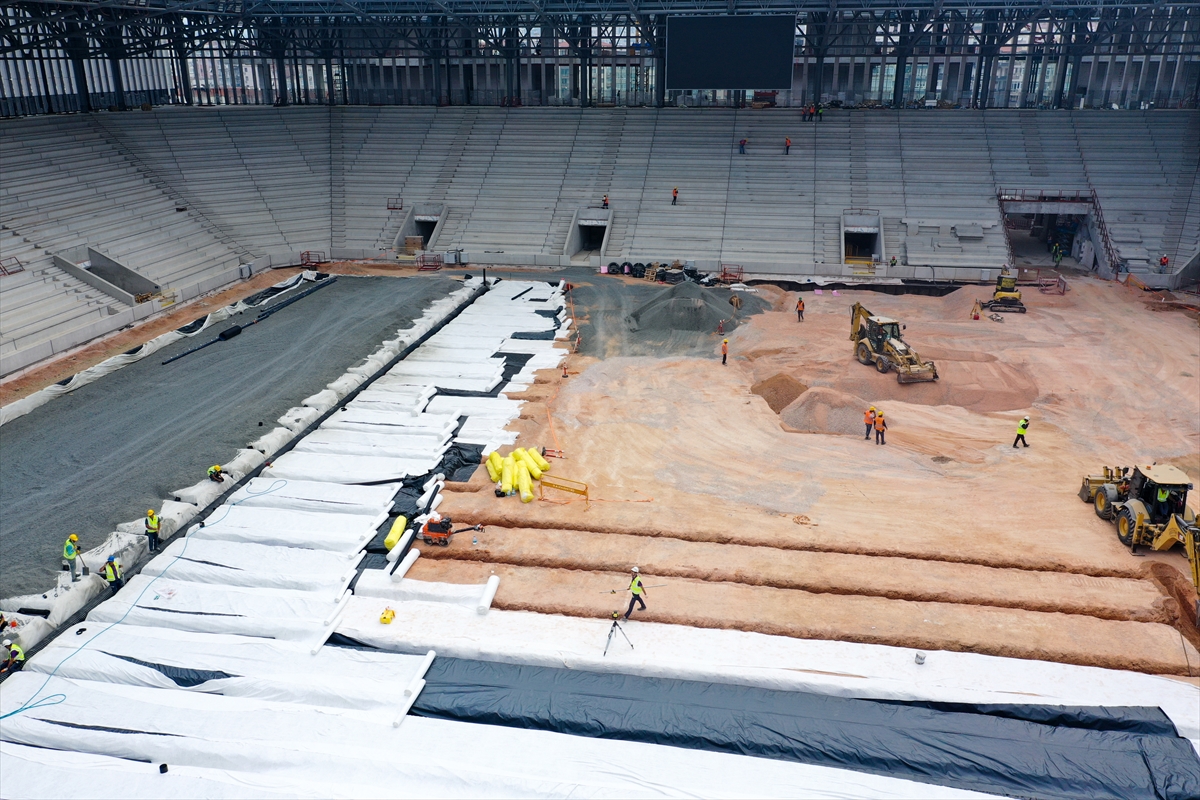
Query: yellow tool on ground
x: 1149, y: 504
x: 877, y: 341
x: 387, y: 616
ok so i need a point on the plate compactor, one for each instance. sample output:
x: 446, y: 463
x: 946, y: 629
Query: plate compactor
x: 439, y: 531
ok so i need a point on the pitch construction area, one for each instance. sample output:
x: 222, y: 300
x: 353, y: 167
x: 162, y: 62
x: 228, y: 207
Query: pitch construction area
x: 937, y: 615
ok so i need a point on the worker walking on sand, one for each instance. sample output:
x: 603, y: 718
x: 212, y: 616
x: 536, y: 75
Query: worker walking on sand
x: 1022, y: 427
x: 152, y: 529
x: 799, y: 309
x: 637, y: 590
x: 112, y: 574
x: 724, y: 351
x: 880, y: 427
x: 70, y: 553
x: 869, y: 419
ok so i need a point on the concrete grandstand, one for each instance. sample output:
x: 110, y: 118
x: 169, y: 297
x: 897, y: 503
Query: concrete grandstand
x: 185, y: 198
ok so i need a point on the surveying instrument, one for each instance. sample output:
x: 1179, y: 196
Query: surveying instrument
x: 616, y: 626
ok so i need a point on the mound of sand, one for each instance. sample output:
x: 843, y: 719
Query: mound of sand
x: 691, y: 307
x: 822, y: 410
x: 779, y: 390
x: 973, y: 385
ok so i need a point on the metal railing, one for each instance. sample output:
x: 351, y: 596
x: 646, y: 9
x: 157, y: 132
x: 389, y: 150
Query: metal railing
x: 1064, y: 196
x: 11, y: 266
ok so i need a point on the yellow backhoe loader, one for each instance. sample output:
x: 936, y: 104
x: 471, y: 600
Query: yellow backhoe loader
x: 1149, y: 504
x: 877, y: 341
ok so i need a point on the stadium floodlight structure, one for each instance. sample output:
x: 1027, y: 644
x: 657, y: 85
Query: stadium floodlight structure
x: 68, y: 55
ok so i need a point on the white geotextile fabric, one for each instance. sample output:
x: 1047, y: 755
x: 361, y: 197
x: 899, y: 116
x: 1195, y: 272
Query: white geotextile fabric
x: 19, y: 408
x: 315, y: 496
x: 380, y: 447
x: 378, y: 583
x: 168, y: 603
x: 341, y: 533
x: 416, y: 444
x: 361, y: 754
x: 299, y: 465
x: 264, y: 668
x: 427, y: 423
x: 843, y: 669
x: 35, y: 772
x: 243, y: 564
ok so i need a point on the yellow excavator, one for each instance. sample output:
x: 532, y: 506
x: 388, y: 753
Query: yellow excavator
x: 1149, y: 504
x: 1006, y: 296
x: 877, y: 340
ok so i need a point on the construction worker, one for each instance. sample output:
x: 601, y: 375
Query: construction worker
x: 869, y: 420
x: 1022, y: 427
x: 787, y: 145
x: 215, y: 474
x: 800, y: 309
x: 724, y: 351
x: 742, y: 146
x: 675, y: 195
x: 637, y: 590
x: 14, y: 657
x: 605, y: 201
x: 70, y: 553
x: 152, y: 529
x: 880, y: 427
x: 1162, y: 503
x: 1162, y: 262
x: 893, y: 261
x: 112, y: 574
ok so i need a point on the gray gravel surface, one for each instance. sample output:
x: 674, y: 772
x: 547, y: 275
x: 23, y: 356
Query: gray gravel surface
x: 105, y: 453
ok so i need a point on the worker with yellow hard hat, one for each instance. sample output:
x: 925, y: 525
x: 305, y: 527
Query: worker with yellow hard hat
x: 880, y: 427
x: 869, y: 419
x: 724, y: 351
x: 70, y: 553
x: 215, y: 474
x: 152, y: 525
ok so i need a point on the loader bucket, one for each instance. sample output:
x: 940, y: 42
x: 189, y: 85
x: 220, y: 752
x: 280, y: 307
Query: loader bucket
x: 922, y: 374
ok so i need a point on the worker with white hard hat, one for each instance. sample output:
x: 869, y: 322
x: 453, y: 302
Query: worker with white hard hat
x: 14, y: 657
x: 637, y: 590
x: 1022, y: 427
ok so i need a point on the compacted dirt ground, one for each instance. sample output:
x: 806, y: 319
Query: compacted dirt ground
x: 787, y: 521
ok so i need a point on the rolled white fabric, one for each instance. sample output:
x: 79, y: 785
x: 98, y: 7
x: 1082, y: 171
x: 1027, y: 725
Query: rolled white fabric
x: 408, y: 703
x: 403, y: 566
x: 489, y: 594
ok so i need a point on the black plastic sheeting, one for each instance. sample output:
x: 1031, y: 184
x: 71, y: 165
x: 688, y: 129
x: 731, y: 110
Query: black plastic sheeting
x: 513, y: 363
x: 182, y: 676
x: 962, y: 748
x: 1130, y: 719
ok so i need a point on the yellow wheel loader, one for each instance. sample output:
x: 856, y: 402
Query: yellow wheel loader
x: 877, y: 340
x: 1149, y: 504
x: 1006, y: 296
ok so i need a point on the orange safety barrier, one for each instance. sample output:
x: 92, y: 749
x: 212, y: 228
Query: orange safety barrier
x: 563, y: 485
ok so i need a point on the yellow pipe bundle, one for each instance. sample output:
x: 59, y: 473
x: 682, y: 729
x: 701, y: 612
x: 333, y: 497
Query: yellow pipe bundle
x: 524, y: 482
x: 508, y: 474
x: 524, y: 457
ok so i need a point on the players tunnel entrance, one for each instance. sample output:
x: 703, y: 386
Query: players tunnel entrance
x: 591, y: 236
x: 862, y: 239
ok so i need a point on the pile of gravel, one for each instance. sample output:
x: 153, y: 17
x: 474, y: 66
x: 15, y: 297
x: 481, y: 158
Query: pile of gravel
x: 691, y: 307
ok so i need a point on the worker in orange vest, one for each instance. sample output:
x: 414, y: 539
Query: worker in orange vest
x: 787, y: 145
x: 880, y: 427
x: 799, y: 309
x: 869, y: 419
x: 675, y: 195
x: 724, y: 351
x: 606, y: 201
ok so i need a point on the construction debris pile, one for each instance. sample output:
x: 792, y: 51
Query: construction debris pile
x: 690, y: 307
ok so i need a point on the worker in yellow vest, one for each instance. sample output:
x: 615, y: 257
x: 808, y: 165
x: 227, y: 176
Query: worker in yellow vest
x: 152, y: 526
x: 14, y: 657
x: 70, y: 553
x: 112, y: 574
x: 637, y: 590
x: 1022, y: 427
